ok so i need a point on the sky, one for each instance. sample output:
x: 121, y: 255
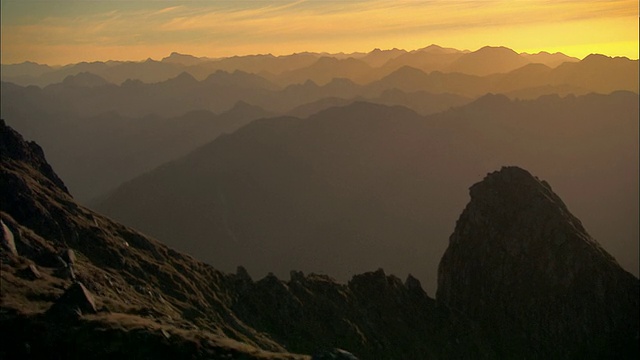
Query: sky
x: 62, y: 32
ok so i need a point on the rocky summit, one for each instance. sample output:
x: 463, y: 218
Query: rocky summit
x: 526, y: 269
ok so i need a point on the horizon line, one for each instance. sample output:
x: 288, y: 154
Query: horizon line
x: 326, y: 53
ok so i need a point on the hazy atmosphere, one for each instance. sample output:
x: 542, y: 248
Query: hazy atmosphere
x: 319, y: 179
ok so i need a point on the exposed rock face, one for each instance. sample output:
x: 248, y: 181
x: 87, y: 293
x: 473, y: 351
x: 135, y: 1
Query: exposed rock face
x: 526, y: 269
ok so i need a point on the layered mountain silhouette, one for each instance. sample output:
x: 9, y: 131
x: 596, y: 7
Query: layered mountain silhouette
x: 286, y: 193
x: 90, y: 93
x: 295, y: 68
x: 100, y: 152
x: 113, y: 100
x: 76, y: 284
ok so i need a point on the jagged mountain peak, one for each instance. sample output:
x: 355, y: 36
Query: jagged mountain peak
x: 13, y: 148
x: 511, y: 189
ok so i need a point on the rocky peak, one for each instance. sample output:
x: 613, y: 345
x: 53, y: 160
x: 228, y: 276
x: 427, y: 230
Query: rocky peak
x: 13, y: 148
x: 414, y: 286
x: 243, y: 274
x: 520, y: 263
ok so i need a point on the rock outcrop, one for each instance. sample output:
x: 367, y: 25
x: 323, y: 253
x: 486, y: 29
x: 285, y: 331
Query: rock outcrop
x: 525, y: 268
x: 7, y: 240
x: 13, y: 148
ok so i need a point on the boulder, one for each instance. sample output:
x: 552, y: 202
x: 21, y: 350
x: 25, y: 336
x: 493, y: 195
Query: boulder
x: 8, y: 241
x: 76, y: 300
x: 69, y: 256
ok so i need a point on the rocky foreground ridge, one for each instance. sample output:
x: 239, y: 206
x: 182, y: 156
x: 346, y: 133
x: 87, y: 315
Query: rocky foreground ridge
x: 76, y: 284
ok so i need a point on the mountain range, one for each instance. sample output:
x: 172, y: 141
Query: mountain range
x: 87, y: 101
x: 288, y: 68
x: 290, y: 194
x: 77, y: 284
x: 309, y: 194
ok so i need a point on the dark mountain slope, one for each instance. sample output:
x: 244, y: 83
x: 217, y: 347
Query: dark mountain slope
x: 144, y: 285
x: 246, y: 186
x: 75, y: 284
x: 521, y: 264
x: 100, y: 152
x: 311, y: 194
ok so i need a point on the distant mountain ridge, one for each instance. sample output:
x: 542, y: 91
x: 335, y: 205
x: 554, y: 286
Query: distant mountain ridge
x: 219, y: 89
x: 116, y: 72
x: 50, y: 114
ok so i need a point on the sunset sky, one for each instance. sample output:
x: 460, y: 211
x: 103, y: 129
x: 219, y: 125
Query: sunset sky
x: 62, y: 32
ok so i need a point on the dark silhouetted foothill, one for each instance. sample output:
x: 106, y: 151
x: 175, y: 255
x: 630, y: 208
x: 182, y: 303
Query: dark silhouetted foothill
x: 524, y: 267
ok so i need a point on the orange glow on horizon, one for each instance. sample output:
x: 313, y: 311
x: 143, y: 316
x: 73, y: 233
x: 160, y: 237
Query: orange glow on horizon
x: 141, y: 30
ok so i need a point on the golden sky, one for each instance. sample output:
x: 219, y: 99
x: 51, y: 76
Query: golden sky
x: 62, y: 32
